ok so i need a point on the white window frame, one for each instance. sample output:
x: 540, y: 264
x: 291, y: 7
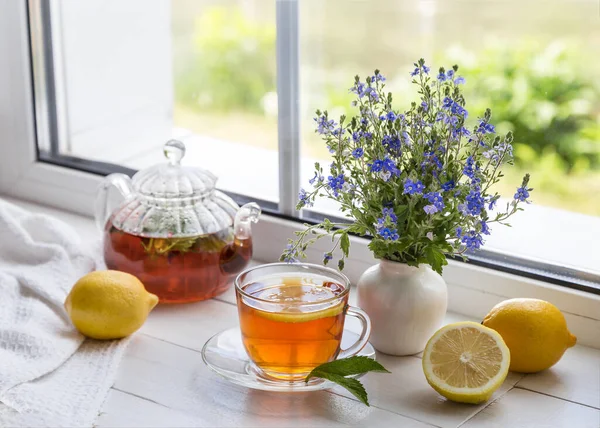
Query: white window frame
x: 473, y: 290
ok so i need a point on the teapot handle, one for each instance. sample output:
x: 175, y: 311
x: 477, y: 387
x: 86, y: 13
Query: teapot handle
x: 247, y: 214
x: 102, y: 209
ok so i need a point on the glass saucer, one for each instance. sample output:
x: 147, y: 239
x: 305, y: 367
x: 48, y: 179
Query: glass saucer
x: 225, y: 355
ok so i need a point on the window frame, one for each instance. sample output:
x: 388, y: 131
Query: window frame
x: 70, y: 183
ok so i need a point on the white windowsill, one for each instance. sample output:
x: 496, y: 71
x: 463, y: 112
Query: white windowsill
x: 472, y: 290
x: 162, y: 381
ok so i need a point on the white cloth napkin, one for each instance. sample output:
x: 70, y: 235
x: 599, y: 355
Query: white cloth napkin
x: 47, y: 377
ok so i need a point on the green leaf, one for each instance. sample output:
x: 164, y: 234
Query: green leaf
x: 435, y: 258
x: 336, y: 371
x: 350, y: 366
x: 353, y: 385
x: 345, y: 244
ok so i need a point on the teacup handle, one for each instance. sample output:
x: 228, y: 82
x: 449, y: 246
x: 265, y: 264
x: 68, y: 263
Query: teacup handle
x: 364, y: 335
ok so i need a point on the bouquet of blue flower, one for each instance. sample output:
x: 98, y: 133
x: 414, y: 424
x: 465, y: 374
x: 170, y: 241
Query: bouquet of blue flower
x: 417, y: 182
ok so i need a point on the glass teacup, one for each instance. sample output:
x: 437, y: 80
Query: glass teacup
x: 292, y: 317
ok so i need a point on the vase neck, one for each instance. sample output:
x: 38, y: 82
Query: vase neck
x: 397, y: 268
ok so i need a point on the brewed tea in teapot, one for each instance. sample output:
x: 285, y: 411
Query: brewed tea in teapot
x: 174, y: 231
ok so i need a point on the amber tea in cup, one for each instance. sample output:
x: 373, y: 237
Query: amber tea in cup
x: 292, y: 317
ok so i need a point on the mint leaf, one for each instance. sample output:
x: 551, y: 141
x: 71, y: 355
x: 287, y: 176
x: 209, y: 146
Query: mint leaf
x: 350, y: 366
x: 336, y: 371
x: 353, y: 385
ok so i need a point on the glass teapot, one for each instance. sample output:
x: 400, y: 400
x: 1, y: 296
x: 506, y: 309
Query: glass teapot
x: 182, y: 238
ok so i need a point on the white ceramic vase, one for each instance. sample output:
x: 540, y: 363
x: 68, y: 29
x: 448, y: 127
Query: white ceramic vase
x: 406, y: 305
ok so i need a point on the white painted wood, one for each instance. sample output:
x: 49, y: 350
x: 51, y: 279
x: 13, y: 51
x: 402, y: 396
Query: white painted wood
x: 520, y: 408
x: 190, y: 325
x: 576, y: 377
x: 176, y: 377
x: 125, y: 410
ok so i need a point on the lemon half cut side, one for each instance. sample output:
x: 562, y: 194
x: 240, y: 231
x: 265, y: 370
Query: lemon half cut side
x: 466, y: 362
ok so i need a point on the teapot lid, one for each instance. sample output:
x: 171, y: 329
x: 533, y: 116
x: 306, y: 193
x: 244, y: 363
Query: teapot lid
x: 171, y: 180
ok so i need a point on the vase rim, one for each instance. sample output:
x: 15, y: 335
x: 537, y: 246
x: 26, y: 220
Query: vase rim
x: 399, y: 267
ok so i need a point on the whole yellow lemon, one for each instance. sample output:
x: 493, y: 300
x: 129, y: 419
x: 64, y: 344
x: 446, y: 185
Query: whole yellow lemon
x: 109, y: 304
x: 534, y: 330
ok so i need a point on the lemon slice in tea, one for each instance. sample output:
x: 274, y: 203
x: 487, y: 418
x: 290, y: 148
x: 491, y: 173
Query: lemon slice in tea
x: 300, y: 302
x: 466, y: 362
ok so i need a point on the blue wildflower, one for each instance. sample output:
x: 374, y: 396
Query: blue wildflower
x: 405, y: 137
x: 304, y: 199
x: 376, y: 165
x: 447, y: 102
x: 356, y: 136
x: 324, y: 126
x: 390, y: 166
x: 368, y: 135
x: 393, y: 144
x: 290, y: 255
x: 435, y: 198
x: 472, y: 240
x: 378, y: 78
x: 430, y: 209
x: 441, y: 77
x: 358, y: 89
x: 475, y: 203
x: 327, y: 257
x: 424, y: 105
x: 450, y: 74
x: 413, y: 187
x: 522, y: 194
x: 486, y: 128
x: 433, y: 160
x: 420, y: 69
x: 485, y: 229
x: 385, y: 165
x: 448, y: 185
x: 358, y: 153
x: 389, y: 212
x: 391, y: 116
x: 459, y: 80
x: 317, y: 177
x: 372, y: 93
x: 492, y: 203
x: 336, y: 183
x: 470, y: 168
x: 388, y: 234
x: 458, y: 109
x: 451, y: 120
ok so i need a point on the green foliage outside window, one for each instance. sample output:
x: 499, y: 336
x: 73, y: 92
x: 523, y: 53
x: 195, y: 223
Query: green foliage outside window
x: 233, y: 67
x: 545, y: 95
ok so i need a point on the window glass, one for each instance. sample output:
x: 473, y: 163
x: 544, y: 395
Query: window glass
x: 200, y: 71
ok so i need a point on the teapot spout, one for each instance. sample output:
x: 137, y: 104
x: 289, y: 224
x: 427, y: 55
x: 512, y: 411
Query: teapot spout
x: 247, y: 215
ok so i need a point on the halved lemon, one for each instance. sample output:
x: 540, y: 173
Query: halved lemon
x: 466, y: 362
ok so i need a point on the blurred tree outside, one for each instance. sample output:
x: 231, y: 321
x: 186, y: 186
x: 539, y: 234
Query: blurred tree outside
x: 233, y: 63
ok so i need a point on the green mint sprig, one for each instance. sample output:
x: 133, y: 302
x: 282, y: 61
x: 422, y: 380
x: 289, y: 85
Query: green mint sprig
x: 338, y: 370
